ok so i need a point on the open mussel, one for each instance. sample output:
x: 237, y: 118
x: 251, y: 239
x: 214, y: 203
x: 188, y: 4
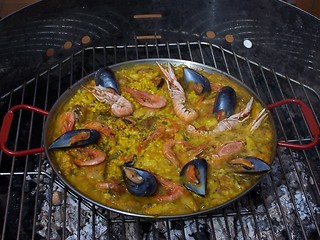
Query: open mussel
x: 194, y: 176
x: 191, y: 76
x: 139, y: 182
x: 76, y: 138
x: 105, y: 77
x: 225, y: 103
x: 251, y: 165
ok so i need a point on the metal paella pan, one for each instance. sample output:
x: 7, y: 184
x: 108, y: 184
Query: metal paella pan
x: 134, y: 175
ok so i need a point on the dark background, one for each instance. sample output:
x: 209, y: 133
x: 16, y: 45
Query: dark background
x: 284, y: 38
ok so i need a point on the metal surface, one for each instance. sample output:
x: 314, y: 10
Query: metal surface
x: 286, y: 204
x: 65, y: 97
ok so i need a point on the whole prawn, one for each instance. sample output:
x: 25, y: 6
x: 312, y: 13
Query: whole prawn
x: 87, y: 156
x: 147, y: 99
x: 120, y: 106
x: 177, y: 95
x: 230, y: 122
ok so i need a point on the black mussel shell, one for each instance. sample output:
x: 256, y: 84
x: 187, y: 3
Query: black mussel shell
x: 105, y: 77
x: 191, y: 75
x: 225, y: 103
x: 259, y: 166
x: 139, y: 182
x: 76, y: 138
x: 199, y: 186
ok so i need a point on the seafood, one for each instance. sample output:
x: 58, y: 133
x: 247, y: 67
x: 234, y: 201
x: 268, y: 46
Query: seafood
x: 65, y: 122
x: 167, y: 149
x: 111, y: 185
x: 120, y: 106
x: 230, y: 122
x: 229, y: 149
x: 147, y: 99
x: 225, y: 124
x: 105, y: 77
x: 178, y: 97
x: 76, y: 138
x: 224, y: 153
x: 194, y: 176
x: 258, y: 120
x: 251, y: 165
x: 84, y: 157
x: 172, y: 190
x: 139, y: 182
x: 80, y: 113
x: 158, y: 133
x: 146, y: 162
x: 104, y: 129
x: 200, y: 83
x: 225, y: 103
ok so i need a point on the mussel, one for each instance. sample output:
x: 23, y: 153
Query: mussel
x: 139, y: 182
x: 191, y: 76
x: 194, y: 176
x: 251, y: 165
x: 225, y: 103
x: 105, y: 77
x: 76, y: 138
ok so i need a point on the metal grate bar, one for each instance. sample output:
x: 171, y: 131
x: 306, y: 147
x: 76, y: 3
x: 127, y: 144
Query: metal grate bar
x: 298, y: 172
x: 299, y: 179
x: 23, y: 187
x: 5, y: 220
x: 289, y: 195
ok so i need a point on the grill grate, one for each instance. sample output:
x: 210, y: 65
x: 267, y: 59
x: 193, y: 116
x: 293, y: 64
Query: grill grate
x: 285, y: 205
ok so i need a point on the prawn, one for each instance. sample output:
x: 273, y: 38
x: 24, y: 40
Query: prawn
x: 177, y: 95
x: 158, y: 133
x: 226, y: 151
x: 258, y: 120
x: 66, y: 122
x: 225, y: 124
x: 120, y: 106
x: 88, y: 157
x: 173, y: 190
x: 102, y: 128
x: 111, y: 185
x: 147, y: 99
x: 167, y: 149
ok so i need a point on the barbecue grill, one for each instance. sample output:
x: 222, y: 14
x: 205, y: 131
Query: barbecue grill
x: 35, y: 204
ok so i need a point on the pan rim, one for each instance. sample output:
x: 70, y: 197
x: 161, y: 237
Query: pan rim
x: 195, y: 65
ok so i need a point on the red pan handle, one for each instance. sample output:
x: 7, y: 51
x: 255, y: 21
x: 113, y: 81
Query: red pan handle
x: 311, y: 122
x: 5, y: 129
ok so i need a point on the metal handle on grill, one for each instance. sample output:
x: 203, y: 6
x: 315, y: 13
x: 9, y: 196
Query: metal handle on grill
x: 310, y: 119
x: 5, y: 129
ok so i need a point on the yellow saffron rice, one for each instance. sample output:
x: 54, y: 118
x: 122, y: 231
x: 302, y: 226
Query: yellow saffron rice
x: 128, y: 140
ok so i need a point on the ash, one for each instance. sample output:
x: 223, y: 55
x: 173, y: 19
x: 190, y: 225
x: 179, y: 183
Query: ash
x: 68, y: 218
x: 280, y: 207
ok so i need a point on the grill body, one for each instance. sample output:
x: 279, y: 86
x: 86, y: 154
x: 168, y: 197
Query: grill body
x: 37, y: 205
x: 43, y: 34
x: 48, y: 46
